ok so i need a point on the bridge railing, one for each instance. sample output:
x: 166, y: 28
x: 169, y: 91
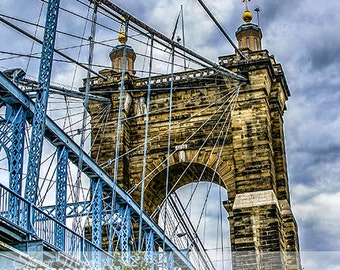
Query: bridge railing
x: 24, y: 216
x: 25, y: 212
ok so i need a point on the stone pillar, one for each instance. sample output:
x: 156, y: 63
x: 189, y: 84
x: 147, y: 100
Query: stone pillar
x: 252, y: 166
x: 263, y: 229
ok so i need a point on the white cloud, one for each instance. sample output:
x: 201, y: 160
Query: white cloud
x: 317, y: 209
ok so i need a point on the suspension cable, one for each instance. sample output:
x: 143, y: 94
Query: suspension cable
x: 193, y: 158
x: 35, y: 34
x: 171, y: 43
x: 165, y: 131
x: 186, y: 140
x: 221, y: 28
x: 145, y: 145
x: 201, y: 147
x: 87, y: 90
x: 169, y: 137
x: 55, y: 50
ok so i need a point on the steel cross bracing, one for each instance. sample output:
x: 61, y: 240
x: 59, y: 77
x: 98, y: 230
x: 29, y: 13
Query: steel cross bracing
x: 97, y: 213
x: 61, y: 188
x: 12, y: 137
x: 12, y: 95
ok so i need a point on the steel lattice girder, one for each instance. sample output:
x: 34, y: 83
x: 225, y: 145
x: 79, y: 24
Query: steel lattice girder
x: 12, y: 140
x: 38, y: 125
x: 11, y: 94
x: 149, y: 246
x: 97, y: 213
x: 61, y: 190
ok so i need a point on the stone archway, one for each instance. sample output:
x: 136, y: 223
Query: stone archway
x: 203, y: 203
x: 180, y: 174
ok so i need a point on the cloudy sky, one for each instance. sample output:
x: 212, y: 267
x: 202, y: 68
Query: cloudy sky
x: 304, y: 37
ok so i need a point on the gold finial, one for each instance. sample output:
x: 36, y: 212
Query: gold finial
x: 121, y: 36
x: 247, y: 16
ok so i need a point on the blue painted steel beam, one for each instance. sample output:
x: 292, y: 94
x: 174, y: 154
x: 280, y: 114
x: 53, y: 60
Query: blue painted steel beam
x: 149, y: 246
x: 97, y: 213
x: 61, y: 197
x: 124, y: 232
x: 44, y: 230
x: 12, y: 137
x: 97, y: 198
x: 57, y: 137
x: 16, y: 158
x: 17, y: 148
x: 38, y: 125
x: 72, y: 209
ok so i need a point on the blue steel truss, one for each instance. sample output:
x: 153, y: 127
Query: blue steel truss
x: 16, y: 159
x: 97, y: 205
x: 97, y: 212
x: 38, y: 124
x: 123, y: 222
x: 18, y: 114
x: 149, y: 247
x: 61, y: 194
x: 52, y: 230
x: 12, y: 138
x: 10, y: 94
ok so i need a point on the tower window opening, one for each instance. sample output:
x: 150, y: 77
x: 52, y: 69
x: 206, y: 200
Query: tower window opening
x: 119, y: 64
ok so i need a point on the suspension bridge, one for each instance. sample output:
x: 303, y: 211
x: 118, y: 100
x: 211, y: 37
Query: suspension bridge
x: 126, y: 164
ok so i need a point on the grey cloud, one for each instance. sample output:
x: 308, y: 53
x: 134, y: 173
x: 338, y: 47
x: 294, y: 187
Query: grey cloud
x: 318, y: 233
x: 303, y: 37
x: 327, y: 52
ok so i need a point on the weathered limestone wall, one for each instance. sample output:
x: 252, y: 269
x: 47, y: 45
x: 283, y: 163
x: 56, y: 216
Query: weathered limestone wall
x: 263, y: 229
x: 252, y: 163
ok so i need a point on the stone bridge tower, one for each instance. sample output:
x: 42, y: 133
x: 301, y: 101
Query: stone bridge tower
x: 251, y: 165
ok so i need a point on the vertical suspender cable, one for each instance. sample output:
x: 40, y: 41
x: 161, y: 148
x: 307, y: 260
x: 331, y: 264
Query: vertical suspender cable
x: 221, y: 221
x: 169, y: 137
x: 35, y: 33
x: 76, y: 222
x: 80, y: 48
x: 145, y: 144
x: 119, y: 123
